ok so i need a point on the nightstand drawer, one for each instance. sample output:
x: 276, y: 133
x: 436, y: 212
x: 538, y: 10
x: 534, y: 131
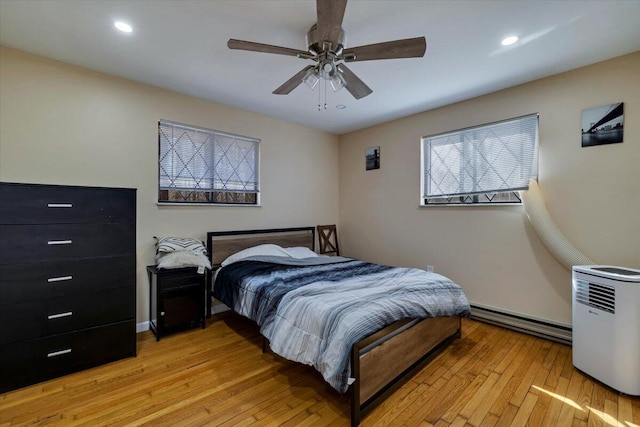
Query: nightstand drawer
x: 37, y: 360
x: 171, y: 280
x: 51, y: 204
x: 46, y: 280
x: 36, y: 319
x: 33, y: 243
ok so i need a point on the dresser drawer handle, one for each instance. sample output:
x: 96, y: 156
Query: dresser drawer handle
x: 59, y: 279
x: 59, y: 353
x: 59, y: 315
x: 59, y: 205
x: 59, y: 242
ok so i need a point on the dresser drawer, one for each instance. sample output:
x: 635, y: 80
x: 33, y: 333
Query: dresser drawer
x: 31, y: 243
x: 29, y: 362
x: 52, y: 204
x: 46, y: 280
x: 41, y: 318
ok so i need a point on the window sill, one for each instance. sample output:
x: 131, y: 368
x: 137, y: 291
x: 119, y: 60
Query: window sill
x: 467, y: 205
x: 208, y: 205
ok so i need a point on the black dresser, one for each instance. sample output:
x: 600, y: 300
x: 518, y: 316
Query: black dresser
x: 67, y: 280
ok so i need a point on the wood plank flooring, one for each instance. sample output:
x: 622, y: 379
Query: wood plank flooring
x: 219, y: 377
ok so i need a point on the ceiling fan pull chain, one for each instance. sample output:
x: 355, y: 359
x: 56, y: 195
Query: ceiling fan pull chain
x: 325, y: 94
x: 319, y: 91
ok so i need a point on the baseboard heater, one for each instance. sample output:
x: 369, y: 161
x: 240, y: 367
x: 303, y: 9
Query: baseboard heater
x: 521, y: 323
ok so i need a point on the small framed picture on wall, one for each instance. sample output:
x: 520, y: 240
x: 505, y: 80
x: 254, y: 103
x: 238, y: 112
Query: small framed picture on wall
x: 603, y: 125
x: 372, y: 158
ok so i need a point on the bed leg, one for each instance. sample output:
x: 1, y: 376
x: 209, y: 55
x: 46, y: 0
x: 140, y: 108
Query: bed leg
x: 264, y: 345
x: 355, y: 414
x: 209, y: 294
x: 355, y: 388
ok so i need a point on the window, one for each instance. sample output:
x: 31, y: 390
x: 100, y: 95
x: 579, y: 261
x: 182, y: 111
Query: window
x: 199, y: 165
x: 482, y: 164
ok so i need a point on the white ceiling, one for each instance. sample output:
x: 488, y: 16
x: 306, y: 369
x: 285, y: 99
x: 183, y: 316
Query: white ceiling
x: 181, y: 45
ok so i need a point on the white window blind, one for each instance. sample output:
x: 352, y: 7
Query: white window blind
x: 204, y: 160
x: 491, y: 158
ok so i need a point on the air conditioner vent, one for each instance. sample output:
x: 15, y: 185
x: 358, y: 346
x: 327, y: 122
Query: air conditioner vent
x: 598, y: 296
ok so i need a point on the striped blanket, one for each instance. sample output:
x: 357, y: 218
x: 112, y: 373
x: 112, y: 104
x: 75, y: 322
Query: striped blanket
x: 314, y: 310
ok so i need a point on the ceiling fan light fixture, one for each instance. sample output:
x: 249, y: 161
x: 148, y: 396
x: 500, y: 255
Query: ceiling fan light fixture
x: 337, y: 82
x: 327, y: 69
x: 311, y: 78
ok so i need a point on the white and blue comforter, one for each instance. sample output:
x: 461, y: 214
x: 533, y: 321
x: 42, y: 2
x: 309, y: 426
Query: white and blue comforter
x: 314, y: 310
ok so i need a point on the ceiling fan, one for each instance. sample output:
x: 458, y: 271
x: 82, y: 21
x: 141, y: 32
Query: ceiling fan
x: 326, y: 44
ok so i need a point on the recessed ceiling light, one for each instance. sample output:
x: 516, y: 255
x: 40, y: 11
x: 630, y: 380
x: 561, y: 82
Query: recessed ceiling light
x: 509, y: 40
x: 123, y: 26
x: 341, y: 106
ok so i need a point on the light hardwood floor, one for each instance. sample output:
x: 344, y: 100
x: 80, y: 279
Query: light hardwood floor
x: 219, y: 376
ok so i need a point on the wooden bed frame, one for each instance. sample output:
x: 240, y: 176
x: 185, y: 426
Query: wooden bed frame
x: 379, y: 362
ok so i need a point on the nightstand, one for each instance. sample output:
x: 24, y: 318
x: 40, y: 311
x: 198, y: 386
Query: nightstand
x: 177, y: 299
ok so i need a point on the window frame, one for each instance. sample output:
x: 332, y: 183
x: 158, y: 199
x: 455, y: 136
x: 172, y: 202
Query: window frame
x: 509, y: 197
x: 208, y: 195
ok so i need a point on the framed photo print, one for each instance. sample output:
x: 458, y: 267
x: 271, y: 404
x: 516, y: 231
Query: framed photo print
x: 603, y: 125
x: 372, y: 158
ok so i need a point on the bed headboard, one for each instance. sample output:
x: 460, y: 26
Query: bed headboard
x: 221, y: 244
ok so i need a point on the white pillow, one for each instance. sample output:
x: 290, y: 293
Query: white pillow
x: 260, y: 250
x: 300, y: 252
x: 181, y: 259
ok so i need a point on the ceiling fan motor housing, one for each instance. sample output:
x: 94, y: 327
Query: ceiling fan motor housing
x: 314, y: 45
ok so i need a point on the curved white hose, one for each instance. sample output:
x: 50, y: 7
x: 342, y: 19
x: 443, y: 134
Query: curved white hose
x: 547, y: 230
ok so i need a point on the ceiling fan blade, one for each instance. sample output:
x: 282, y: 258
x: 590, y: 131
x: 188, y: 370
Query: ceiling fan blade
x: 406, y: 48
x: 355, y: 86
x: 293, y: 82
x: 330, y: 15
x: 265, y: 48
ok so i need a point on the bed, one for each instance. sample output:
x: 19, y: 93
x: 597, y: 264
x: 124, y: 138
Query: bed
x: 295, y: 300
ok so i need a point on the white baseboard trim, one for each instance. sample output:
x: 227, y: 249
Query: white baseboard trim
x: 218, y: 307
x: 142, y: 326
x: 215, y: 308
x: 523, y: 323
x: 499, y: 317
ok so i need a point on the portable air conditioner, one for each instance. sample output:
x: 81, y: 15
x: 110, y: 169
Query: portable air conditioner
x: 606, y: 325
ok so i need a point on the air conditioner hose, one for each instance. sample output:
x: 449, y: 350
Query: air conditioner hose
x: 547, y: 230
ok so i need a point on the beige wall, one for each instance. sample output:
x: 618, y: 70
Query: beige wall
x: 61, y: 124
x: 592, y: 193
